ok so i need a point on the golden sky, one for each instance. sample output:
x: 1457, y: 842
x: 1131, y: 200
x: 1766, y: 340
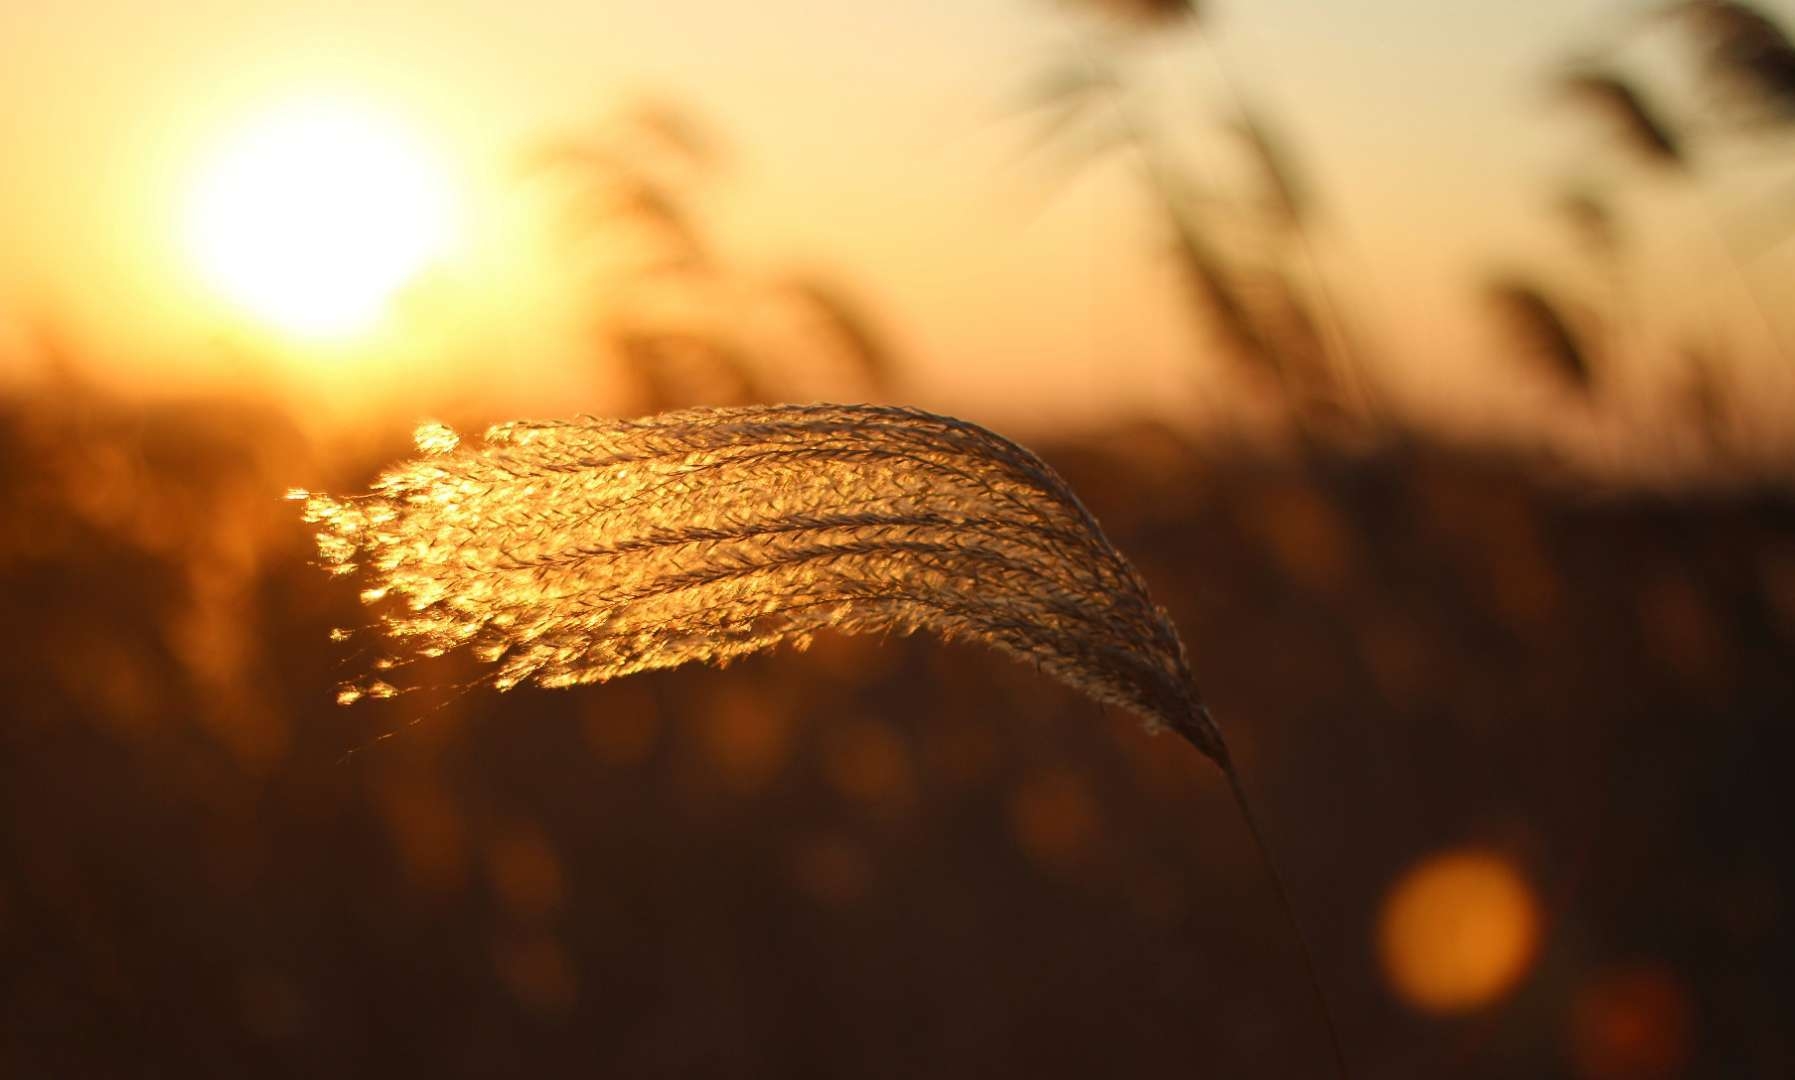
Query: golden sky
x: 878, y: 142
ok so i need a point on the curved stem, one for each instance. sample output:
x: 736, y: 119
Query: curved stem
x: 1277, y: 880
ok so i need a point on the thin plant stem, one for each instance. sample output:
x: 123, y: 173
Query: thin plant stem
x: 1271, y: 869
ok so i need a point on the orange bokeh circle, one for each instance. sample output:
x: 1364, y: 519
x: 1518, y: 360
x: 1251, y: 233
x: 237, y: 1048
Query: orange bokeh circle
x: 1458, y: 930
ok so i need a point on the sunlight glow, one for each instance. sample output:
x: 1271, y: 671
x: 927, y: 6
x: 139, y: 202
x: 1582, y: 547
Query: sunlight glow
x: 316, y: 214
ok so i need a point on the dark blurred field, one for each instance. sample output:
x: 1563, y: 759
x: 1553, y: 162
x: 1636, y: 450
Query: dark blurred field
x: 899, y: 858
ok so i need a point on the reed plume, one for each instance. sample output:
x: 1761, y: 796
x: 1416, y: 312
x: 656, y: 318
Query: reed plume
x: 1747, y: 61
x: 1591, y: 219
x: 1540, y: 329
x: 1335, y: 367
x: 1146, y: 13
x: 1749, y: 65
x: 1639, y: 126
x: 573, y: 552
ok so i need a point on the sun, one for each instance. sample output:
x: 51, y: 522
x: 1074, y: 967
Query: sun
x: 315, y: 214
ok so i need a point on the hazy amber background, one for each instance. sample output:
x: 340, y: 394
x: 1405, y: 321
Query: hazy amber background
x: 1506, y: 666
x: 883, y: 141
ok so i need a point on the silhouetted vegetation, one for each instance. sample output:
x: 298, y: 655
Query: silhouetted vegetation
x: 1255, y: 284
x: 881, y: 856
x: 686, y: 326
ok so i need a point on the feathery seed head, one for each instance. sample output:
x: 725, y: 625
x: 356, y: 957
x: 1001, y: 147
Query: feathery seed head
x: 572, y: 552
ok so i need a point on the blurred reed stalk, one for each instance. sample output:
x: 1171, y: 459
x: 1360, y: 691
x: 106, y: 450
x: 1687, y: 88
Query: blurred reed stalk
x: 1293, y: 195
x: 1746, y: 66
x: 1700, y: 398
x: 1653, y: 143
x: 681, y: 324
x: 1594, y: 227
x: 1275, y: 316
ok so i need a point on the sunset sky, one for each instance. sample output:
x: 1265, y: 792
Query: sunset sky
x: 879, y: 143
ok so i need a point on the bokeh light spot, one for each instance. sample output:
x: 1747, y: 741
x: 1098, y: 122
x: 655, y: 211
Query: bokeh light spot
x: 866, y: 761
x: 1055, y: 817
x: 1458, y: 931
x: 831, y: 868
x: 1633, y: 1022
